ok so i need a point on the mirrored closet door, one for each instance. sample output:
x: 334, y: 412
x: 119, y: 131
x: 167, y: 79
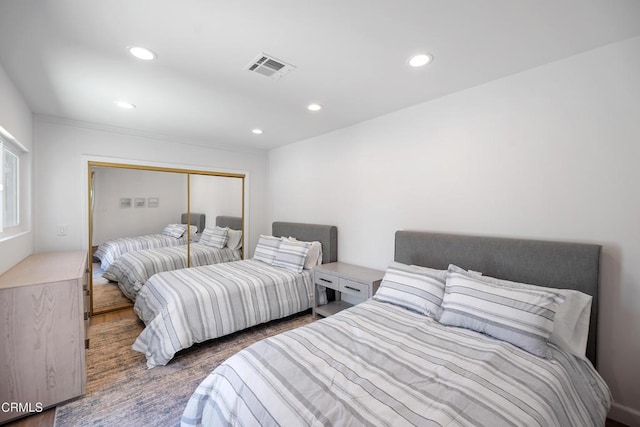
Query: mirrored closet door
x: 130, y: 207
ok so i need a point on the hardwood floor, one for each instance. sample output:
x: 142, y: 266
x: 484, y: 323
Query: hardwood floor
x: 43, y: 419
x: 47, y: 418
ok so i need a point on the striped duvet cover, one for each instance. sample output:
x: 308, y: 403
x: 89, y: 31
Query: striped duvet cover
x: 132, y: 269
x: 192, y: 305
x: 379, y: 364
x: 111, y: 250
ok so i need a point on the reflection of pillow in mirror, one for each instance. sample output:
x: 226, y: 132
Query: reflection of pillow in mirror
x: 193, y: 229
x: 235, y: 239
x: 174, y: 230
x: 216, y: 237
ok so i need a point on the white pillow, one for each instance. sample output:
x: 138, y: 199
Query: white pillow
x: 521, y: 316
x: 235, y: 239
x: 292, y: 255
x: 416, y: 288
x: 267, y: 249
x: 215, y: 237
x: 571, y: 323
x: 193, y: 229
x: 314, y: 256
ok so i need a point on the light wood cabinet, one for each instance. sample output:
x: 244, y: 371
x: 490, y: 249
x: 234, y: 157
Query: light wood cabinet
x: 43, y: 319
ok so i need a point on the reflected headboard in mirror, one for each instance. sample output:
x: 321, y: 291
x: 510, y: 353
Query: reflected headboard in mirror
x: 196, y: 219
x: 233, y: 222
x: 544, y: 263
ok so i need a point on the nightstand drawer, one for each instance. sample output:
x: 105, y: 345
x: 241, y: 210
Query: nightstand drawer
x: 354, y: 288
x: 352, y: 285
x: 327, y: 280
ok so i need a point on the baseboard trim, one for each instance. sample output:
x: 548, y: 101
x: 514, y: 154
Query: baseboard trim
x: 625, y: 415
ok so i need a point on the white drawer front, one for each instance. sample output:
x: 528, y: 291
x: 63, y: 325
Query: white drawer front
x: 354, y: 288
x: 327, y: 280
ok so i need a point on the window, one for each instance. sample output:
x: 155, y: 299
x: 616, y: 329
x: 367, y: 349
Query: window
x: 10, y: 151
x: 10, y: 208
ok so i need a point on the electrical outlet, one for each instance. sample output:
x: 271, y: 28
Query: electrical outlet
x: 62, y: 230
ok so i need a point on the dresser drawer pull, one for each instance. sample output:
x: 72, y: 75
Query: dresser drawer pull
x: 353, y: 289
x: 326, y: 280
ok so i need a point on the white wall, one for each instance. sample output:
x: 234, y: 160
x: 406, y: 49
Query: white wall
x: 216, y: 195
x: 550, y: 153
x: 60, y: 184
x: 112, y: 184
x: 16, y: 118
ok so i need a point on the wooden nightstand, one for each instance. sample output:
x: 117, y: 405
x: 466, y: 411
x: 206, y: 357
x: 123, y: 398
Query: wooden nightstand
x: 353, y: 284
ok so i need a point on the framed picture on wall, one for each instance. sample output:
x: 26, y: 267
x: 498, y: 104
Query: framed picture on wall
x: 140, y: 202
x: 125, y: 202
x: 153, y: 202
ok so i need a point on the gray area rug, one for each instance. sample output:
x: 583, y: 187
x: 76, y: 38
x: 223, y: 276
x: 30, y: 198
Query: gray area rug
x: 121, y: 391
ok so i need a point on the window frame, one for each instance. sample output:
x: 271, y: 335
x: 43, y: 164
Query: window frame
x: 8, y: 144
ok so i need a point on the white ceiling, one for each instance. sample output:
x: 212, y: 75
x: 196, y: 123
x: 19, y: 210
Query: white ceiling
x: 68, y: 58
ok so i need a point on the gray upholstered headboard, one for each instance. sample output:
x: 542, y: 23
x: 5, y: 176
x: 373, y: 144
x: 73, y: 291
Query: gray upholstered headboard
x: 544, y: 263
x: 233, y: 222
x: 196, y: 219
x: 327, y: 235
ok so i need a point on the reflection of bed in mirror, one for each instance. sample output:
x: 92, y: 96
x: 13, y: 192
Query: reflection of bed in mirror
x: 166, y: 191
x: 172, y: 235
x: 133, y: 269
x: 191, y: 305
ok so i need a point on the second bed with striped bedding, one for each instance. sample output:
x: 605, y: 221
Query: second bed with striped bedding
x: 192, y: 305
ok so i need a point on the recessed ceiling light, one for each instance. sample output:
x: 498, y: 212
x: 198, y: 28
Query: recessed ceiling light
x: 257, y: 131
x: 314, y: 107
x: 420, y: 60
x: 142, y: 53
x: 124, y: 104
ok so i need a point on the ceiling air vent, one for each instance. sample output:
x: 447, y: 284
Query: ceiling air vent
x: 269, y: 66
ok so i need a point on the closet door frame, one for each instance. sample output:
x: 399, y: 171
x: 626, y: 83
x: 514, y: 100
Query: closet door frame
x: 90, y: 163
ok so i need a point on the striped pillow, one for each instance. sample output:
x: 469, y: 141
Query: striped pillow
x: 314, y: 257
x: 174, y: 230
x: 292, y: 255
x: 419, y: 289
x: 215, y: 237
x: 522, y: 317
x: 267, y: 249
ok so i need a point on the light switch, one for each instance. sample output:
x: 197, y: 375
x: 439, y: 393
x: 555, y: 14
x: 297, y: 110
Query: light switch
x: 62, y: 230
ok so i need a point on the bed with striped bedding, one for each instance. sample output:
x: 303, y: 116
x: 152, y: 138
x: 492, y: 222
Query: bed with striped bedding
x: 133, y: 269
x: 111, y: 250
x: 380, y: 364
x: 191, y: 305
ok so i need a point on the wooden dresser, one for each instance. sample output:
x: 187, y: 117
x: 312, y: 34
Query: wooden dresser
x: 43, y: 326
